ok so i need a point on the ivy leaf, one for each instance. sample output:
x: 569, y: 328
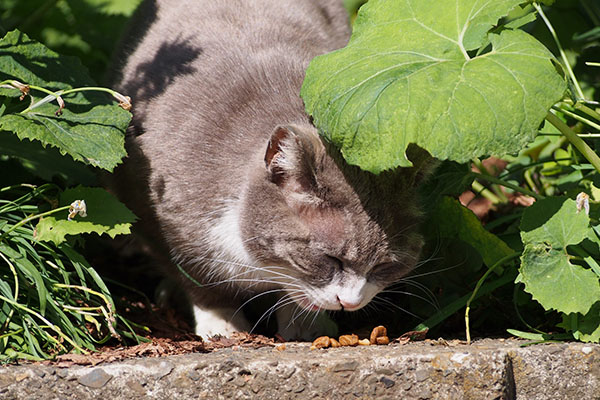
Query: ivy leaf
x: 547, y: 228
x: 105, y: 214
x: 411, y: 74
x: 92, y: 126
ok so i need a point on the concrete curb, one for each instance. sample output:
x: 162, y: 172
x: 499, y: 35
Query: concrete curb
x: 487, y: 369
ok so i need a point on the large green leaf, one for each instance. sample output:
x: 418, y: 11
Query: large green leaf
x: 456, y: 221
x: 410, y: 74
x: 92, y: 126
x: 105, y: 214
x: 547, y: 228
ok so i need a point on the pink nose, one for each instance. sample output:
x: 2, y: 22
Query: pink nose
x: 348, y: 305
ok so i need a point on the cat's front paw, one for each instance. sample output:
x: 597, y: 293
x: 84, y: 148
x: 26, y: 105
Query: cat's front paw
x: 221, y: 321
x: 306, y: 327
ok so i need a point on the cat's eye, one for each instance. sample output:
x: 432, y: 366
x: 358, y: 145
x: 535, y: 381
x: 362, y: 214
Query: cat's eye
x: 381, y: 269
x: 335, y: 261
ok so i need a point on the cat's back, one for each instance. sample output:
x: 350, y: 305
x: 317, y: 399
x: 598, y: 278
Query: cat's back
x: 209, y: 82
x: 205, y: 41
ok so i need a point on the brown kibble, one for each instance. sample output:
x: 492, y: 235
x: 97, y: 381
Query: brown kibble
x: 383, y: 340
x: 334, y: 343
x: 321, y: 343
x: 280, y: 347
x: 378, y: 331
x: 364, y: 342
x: 349, y: 340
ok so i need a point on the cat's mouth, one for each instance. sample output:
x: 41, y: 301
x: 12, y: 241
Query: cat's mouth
x: 308, y: 305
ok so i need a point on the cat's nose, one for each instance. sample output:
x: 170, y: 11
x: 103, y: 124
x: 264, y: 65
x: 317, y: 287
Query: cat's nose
x: 347, y: 305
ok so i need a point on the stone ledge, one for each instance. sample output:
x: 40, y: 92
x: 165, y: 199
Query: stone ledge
x: 487, y: 369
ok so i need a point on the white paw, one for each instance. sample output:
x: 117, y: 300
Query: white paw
x: 220, y: 321
x: 306, y: 326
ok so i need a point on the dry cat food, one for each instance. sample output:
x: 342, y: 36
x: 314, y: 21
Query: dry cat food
x: 378, y: 337
x: 379, y: 332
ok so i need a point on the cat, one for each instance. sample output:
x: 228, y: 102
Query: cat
x: 231, y: 180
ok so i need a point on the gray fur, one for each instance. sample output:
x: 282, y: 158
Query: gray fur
x: 213, y: 83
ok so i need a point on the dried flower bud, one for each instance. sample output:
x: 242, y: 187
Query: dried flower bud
x: 364, y: 342
x: 61, y: 105
x: 77, y: 207
x: 24, y: 88
x: 583, y: 203
x: 334, y: 343
x: 124, y: 101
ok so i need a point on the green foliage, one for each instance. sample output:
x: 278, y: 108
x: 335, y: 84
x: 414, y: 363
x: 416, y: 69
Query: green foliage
x: 547, y: 229
x: 105, y: 215
x: 87, y: 29
x: 89, y: 129
x: 453, y: 220
x: 470, y: 80
x: 433, y: 75
x: 52, y: 300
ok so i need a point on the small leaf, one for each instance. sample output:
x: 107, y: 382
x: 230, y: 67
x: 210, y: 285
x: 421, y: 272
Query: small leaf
x: 547, y: 228
x: 91, y: 128
x: 105, y: 215
x: 410, y: 75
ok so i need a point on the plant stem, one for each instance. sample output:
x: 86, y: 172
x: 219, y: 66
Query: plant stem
x: 478, y: 188
x: 31, y: 217
x: 585, y: 109
x: 563, y: 55
x: 457, y: 304
x: 516, y: 188
x: 16, y: 293
x: 49, y: 324
x: 478, y: 286
x: 592, y: 64
x: 577, y: 117
x: 575, y: 140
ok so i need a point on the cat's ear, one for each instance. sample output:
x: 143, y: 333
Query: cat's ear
x: 290, y: 156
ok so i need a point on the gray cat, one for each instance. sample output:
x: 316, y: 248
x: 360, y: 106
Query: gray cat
x: 231, y: 179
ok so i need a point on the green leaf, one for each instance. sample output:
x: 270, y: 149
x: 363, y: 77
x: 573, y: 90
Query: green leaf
x: 554, y: 221
x: 91, y: 128
x: 547, y: 228
x: 45, y: 162
x: 456, y: 221
x: 105, y: 214
x: 409, y: 75
x: 584, y: 327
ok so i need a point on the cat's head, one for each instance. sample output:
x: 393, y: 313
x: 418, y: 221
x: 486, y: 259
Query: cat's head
x: 333, y: 235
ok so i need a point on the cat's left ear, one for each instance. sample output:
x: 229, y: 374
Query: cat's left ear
x: 290, y: 156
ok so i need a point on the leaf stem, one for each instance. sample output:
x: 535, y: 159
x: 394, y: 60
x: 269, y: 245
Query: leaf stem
x: 31, y: 217
x: 575, y: 140
x: 563, y: 55
x: 478, y: 286
x: 516, y: 188
x: 478, y: 188
x: 585, y: 109
x: 577, y: 117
